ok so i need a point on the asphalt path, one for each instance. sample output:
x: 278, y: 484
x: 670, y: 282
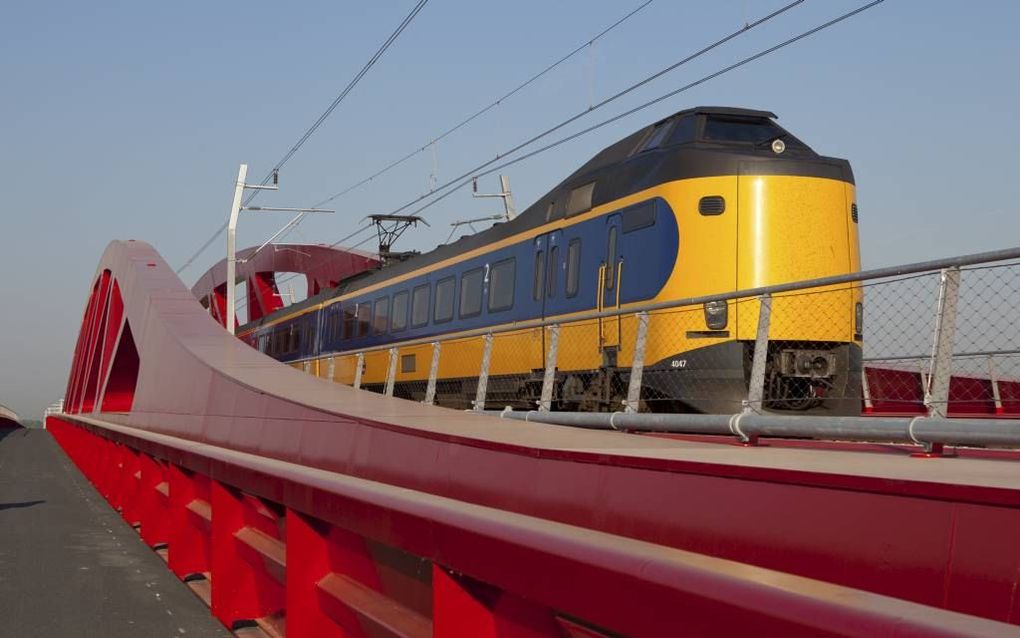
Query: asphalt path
x: 71, y: 566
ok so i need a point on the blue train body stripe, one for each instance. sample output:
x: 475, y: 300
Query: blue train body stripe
x: 649, y: 252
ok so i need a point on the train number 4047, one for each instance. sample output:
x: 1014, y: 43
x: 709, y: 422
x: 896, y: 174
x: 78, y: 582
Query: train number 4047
x: 678, y: 363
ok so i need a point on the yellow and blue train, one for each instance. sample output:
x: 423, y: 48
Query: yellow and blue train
x: 708, y: 200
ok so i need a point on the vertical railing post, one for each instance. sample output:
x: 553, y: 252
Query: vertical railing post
x: 756, y: 386
x: 936, y: 397
x: 330, y: 368
x: 993, y: 377
x: 549, y: 380
x: 869, y: 405
x: 359, y: 366
x: 391, y: 373
x: 637, y: 366
x: 483, y: 374
x: 430, y: 389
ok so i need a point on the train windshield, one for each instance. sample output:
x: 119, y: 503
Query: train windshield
x: 746, y: 130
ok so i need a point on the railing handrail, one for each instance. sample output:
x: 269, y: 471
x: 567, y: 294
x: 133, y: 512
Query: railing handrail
x: 956, y: 355
x: 935, y: 265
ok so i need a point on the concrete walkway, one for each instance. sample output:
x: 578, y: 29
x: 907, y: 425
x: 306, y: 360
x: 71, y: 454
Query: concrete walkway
x: 70, y: 566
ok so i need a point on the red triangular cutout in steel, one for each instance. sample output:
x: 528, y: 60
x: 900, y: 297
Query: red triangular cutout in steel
x: 120, y: 388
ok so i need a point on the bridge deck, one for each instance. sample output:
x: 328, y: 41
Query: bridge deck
x: 70, y: 566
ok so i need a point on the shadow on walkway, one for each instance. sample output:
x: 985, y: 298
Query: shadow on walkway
x: 10, y: 506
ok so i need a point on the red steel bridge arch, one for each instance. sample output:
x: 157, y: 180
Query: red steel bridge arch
x: 307, y: 508
x: 322, y: 267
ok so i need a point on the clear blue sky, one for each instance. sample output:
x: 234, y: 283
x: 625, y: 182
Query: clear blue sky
x: 128, y: 120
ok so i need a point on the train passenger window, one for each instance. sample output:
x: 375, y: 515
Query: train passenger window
x: 381, y: 315
x: 611, y: 259
x: 554, y: 264
x: 420, y: 306
x: 638, y: 217
x: 444, y: 300
x: 471, y: 293
x: 364, y: 319
x: 536, y: 291
x: 684, y: 130
x: 580, y: 199
x: 399, y: 320
x: 573, y: 266
x: 350, y: 321
x: 501, y: 285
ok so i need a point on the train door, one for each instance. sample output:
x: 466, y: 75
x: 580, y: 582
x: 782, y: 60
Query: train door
x: 552, y: 292
x: 609, y: 279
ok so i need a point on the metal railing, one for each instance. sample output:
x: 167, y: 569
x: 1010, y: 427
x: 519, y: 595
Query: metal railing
x: 962, y: 305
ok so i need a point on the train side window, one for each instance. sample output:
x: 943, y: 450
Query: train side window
x: 420, y: 306
x: 471, y: 293
x: 554, y: 264
x: 381, y: 315
x: 536, y: 291
x: 444, y: 300
x: 350, y: 321
x: 580, y: 199
x: 573, y: 266
x: 638, y: 217
x: 364, y: 319
x: 399, y: 320
x: 611, y: 259
x: 501, y: 285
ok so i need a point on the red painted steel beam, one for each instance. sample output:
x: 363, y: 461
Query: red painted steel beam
x: 631, y: 586
x: 935, y: 531
x: 323, y: 266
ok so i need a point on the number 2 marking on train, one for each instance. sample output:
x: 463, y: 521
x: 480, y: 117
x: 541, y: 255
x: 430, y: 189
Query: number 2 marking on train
x: 678, y: 363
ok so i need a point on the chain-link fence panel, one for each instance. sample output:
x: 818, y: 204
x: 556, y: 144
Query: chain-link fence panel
x: 941, y: 341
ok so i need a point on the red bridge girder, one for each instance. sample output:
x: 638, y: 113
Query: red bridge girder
x: 308, y: 505
x: 323, y: 267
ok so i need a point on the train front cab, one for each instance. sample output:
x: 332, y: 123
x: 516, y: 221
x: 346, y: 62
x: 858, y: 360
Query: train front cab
x: 749, y: 230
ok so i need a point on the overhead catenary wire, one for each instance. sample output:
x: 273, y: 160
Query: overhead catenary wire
x: 630, y: 89
x: 318, y: 122
x: 517, y: 89
x: 294, y: 222
x: 477, y: 172
x: 466, y: 179
x: 473, y: 172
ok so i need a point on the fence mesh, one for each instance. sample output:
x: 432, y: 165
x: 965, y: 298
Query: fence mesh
x: 868, y: 346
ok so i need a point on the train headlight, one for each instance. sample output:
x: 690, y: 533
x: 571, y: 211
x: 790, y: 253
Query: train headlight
x: 858, y: 320
x: 716, y: 315
x: 778, y: 146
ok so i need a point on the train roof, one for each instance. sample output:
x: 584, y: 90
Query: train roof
x: 628, y: 166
